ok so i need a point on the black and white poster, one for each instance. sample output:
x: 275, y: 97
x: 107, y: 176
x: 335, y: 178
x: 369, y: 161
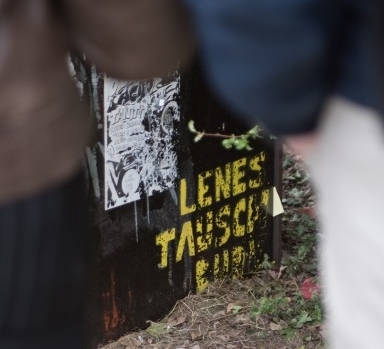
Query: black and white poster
x: 140, y: 125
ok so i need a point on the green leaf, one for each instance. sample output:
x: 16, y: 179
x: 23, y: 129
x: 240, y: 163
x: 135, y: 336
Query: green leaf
x: 266, y: 264
x: 198, y: 137
x: 236, y: 309
x: 289, y: 332
x: 227, y: 143
x: 191, y: 126
x: 255, y: 132
x: 303, y: 319
x: 241, y: 144
x: 157, y: 329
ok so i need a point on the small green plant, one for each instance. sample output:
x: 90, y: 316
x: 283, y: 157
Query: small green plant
x: 238, y: 142
x: 266, y: 263
x: 302, y: 318
x: 292, y: 311
x: 273, y: 306
x: 288, y: 301
x: 302, y: 237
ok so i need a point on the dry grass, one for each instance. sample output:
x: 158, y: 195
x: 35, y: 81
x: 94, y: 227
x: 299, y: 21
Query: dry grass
x: 219, y: 318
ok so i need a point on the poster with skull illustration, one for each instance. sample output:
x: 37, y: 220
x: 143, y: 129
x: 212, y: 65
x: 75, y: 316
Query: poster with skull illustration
x: 140, y: 140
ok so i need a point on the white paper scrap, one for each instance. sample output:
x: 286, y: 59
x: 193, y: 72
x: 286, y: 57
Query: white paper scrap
x: 275, y: 207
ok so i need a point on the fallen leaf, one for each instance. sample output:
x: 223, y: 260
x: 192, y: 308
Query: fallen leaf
x: 196, y: 346
x: 157, y: 329
x: 275, y: 327
x: 282, y: 268
x: 121, y: 346
x: 230, y: 307
x: 242, y: 318
x: 309, y: 211
x: 195, y: 335
x: 234, y: 308
x: 173, y: 321
x: 219, y: 313
x: 234, y: 333
x: 309, y: 288
x: 323, y: 331
x: 272, y: 274
x: 248, y: 283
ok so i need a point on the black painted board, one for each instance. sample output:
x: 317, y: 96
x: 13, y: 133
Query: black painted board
x: 154, y: 251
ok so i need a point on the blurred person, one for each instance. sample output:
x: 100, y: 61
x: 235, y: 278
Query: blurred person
x: 130, y: 39
x: 308, y: 70
x: 43, y: 215
x: 44, y: 235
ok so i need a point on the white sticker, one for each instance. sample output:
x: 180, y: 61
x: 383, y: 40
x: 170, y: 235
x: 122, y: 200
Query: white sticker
x: 140, y: 138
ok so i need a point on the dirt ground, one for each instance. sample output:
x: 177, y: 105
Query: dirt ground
x: 276, y: 308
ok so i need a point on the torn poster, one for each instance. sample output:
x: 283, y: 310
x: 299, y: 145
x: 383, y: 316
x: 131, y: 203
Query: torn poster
x: 140, y: 137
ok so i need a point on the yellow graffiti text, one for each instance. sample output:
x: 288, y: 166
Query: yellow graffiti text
x: 222, y: 183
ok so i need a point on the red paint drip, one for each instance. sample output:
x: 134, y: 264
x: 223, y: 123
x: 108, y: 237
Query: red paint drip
x: 111, y: 316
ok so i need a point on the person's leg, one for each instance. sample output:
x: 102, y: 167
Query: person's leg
x: 348, y: 171
x: 43, y: 263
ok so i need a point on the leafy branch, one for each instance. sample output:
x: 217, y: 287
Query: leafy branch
x: 238, y: 142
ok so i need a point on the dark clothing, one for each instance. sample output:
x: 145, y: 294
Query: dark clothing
x: 43, y: 264
x: 277, y: 61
